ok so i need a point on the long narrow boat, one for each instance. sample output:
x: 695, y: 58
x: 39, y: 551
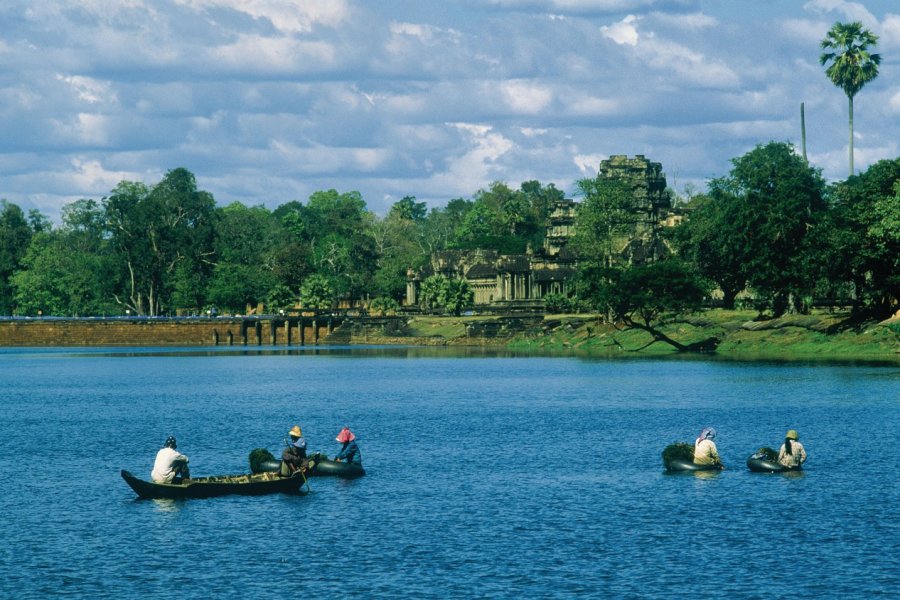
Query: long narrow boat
x: 218, y: 485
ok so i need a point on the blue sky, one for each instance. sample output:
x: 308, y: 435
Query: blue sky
x: 267, y: 101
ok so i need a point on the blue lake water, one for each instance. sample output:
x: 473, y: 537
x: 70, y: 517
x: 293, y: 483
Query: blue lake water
x: 489, y: 476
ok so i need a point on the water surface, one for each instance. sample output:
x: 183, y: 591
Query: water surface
x: 495, y: 476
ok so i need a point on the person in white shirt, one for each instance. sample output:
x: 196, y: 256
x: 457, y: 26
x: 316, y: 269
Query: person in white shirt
x: 171, y: 466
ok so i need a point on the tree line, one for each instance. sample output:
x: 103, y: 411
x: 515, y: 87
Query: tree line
x: 167, y: 248
x: 771, y: 228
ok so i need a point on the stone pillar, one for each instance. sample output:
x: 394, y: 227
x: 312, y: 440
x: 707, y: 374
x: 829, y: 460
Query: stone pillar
x: 287, y: 332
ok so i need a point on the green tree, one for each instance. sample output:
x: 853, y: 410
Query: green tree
x: 69, y: 271
x: 456, y: 295
x: 646, y: 297
x: 450, y: 294
x: 244, y: 243
x: 779, y: 201
x: 162, y: 234
x: 711, y: 239
x: 858, y: 243
x: 15, y: 235
x: 847, y: 48
x: 430, y: 291
x: 335, y: 227
x: 398, y: 246
x: 316, y: 292
x: 606, y: 220
x: 383, y: 305
x: 407, y: 209
x: 281, y: 297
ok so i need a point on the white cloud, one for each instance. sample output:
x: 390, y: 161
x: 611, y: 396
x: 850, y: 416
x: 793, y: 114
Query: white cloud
x: 526, y: 97
x: 894, y: 103
x: 890, y: 32
x: 850, y: 11
x: 589, y: 164
x: 89, y: 176
x: 667, y: 56
x: 288, y: 16
x: 274, y: 55
x: 593, y: 106
x: 578, y: 6
x: 476, y: 167
x: 532, y: 132
x: 269, y: 100
x: 805, y: 31
x: 90, y: 90
x: 427, y: 34
x: 84, y: 129
x: 692, y: 21
x: 623, y: 32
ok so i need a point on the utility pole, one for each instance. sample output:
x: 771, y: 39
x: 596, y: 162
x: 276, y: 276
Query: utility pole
x: 803, y: 131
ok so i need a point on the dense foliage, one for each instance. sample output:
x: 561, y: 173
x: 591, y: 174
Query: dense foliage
x: 771, y: 231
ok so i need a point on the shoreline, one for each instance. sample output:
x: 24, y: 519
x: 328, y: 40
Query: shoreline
x: 819, y: 336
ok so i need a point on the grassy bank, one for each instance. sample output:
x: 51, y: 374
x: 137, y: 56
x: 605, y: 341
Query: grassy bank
x: 820, y: 335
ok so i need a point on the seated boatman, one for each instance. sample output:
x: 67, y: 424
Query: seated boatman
x: 293, y: 458
x: 349, y: 450
x: 171, y: 466
x: 705, y: 451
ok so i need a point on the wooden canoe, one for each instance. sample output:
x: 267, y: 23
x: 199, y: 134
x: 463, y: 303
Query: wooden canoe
x: 218, y: 485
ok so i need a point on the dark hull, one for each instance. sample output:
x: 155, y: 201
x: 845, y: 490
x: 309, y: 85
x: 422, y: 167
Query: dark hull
x: 761, y: 465
x: 680, y: 465
x: 222, y: 485
x: 322, y: 467
x: 327, y: 467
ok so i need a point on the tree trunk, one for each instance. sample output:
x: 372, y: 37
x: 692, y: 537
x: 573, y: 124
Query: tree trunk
x: 851, y: 136
x: 728, y: 298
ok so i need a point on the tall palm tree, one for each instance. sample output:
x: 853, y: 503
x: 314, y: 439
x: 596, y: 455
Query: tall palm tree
x: 852, y: 65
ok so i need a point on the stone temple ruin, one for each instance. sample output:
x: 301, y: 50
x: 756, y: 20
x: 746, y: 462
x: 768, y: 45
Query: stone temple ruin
x: 520, y: 281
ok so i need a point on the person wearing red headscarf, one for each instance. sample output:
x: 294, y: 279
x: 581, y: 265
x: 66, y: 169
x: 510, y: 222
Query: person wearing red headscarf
x: 349, y: 450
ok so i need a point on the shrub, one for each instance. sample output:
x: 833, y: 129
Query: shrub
x: 384, y: 306
x: 678, y: 450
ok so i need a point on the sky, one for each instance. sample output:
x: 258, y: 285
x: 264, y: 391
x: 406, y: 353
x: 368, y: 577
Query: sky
x: 268, y: 101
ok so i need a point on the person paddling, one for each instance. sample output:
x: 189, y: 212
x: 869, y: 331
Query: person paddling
x: 705, y: 451
x: 294, y: 456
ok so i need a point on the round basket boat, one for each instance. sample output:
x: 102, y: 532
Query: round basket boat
x: 319, y: 463
x: 678, y: 465
x: 764, y: 465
